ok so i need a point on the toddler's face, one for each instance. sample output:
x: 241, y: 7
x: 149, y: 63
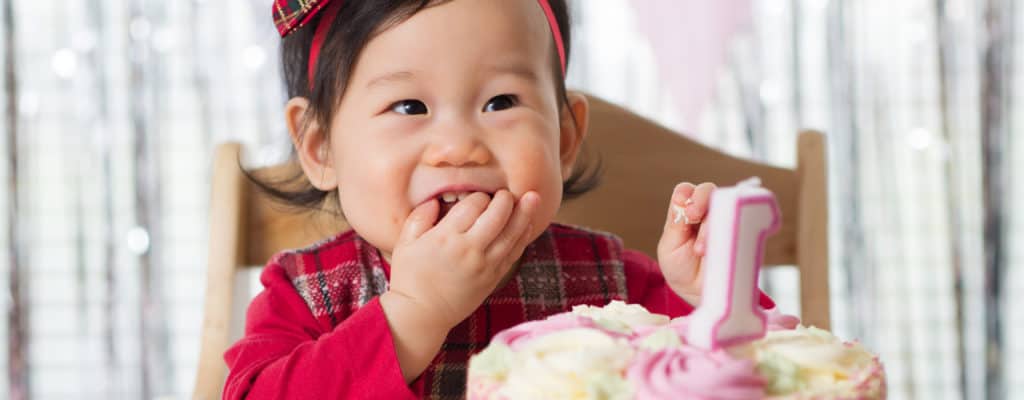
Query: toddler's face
x: 458, y: 98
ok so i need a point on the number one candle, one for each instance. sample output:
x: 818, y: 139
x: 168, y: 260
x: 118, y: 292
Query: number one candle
x: 741, y: 218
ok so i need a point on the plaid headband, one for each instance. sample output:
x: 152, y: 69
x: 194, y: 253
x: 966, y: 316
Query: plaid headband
x: 290, y: 15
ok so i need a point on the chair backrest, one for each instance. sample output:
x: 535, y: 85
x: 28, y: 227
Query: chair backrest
x: 642, y: 161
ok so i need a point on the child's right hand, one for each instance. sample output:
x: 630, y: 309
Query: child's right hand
x: 447, y: 270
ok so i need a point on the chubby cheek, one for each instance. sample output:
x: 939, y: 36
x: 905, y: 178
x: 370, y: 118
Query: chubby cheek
x: 372, y: 195
x: 373, y: 220
x: 550, y: 201
x: 538, y: 169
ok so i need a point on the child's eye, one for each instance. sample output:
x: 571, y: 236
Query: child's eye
x: 501, y: 102
x: 409, y: 107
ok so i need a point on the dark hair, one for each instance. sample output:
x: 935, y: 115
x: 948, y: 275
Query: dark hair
x: 355, y: 25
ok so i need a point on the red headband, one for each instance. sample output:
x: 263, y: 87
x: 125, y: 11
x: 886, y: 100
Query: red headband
x: 290, y: 15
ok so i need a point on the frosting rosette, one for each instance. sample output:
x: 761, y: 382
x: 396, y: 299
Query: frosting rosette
x: 621, y: 317
x: 777, y: 321
x: 516, y: 336
x: 623, y: 352
x: 658, y: 336
x: 576, y: 363
x: 812, y: 362
x: 689, y: 373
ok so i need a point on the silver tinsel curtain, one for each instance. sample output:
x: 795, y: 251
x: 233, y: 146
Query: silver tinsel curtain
x: 111, y: 108
x: 111, y: 111
x: 918, y: 100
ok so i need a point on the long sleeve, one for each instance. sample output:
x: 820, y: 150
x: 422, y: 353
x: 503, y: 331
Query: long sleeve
x: 287, y: 353
x: 647, y: 287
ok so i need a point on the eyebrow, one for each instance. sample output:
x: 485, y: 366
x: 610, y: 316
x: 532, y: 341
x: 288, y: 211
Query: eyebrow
x: 517, y: 69
x: 394, y: 77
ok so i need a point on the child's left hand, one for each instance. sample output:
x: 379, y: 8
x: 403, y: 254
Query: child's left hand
x: 684, y: 240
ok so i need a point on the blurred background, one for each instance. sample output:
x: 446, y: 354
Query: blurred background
x: 110, y: 110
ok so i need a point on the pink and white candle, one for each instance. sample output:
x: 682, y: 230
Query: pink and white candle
x: 740, y: 218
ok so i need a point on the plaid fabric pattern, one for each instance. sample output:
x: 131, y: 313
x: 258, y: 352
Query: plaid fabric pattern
x: 564, y: 267
x: 290, y: 15
x: 337, y: 276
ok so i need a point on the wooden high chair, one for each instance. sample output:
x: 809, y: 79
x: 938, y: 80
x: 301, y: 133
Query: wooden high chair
x: 642, y: 162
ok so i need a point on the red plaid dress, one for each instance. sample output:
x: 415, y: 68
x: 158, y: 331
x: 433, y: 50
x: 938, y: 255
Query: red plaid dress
x: 317, y: 330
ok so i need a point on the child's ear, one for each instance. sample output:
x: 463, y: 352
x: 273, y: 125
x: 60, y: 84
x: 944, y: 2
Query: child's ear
x: 311, y: 145
x: 573, y: 130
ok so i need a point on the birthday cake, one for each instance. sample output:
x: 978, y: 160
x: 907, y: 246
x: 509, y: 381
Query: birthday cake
x: 728, y: 348
x: 623, y: 352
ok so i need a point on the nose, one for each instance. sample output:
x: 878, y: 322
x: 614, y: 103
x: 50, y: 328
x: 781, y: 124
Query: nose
x: 456, y: 145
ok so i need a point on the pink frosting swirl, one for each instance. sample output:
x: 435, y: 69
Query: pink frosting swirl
x: 516, y: 336
x: 777, y: 321
x: 691, y: 373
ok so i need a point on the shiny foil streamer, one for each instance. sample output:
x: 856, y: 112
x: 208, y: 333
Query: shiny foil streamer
x: 845, y: 180
x: 946, y: 48
x: 145, y: 77
x: 17, y: 310
x: 100, y: 121
x: 995, y: 130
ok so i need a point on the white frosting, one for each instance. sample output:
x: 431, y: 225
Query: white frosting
x: 660, y: 339
x: 577, y: 363
x: 807, y: 360
x: 586, y: 354
x: 621, y: 317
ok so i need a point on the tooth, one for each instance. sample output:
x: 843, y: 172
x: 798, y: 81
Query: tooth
x: 448, y: 197
x: 463, y: 195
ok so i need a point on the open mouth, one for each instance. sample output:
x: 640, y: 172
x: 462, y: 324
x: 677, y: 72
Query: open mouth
x: 448, y: 200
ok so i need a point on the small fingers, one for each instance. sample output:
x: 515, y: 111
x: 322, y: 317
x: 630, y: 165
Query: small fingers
x: 680, y: 195
x: 420, y: 220
x: 464, y: 214
x: 516, y: 234
x: 696, y: 208
x: 494, y: 218
x: 674, y: 233
x: 700, y: 245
